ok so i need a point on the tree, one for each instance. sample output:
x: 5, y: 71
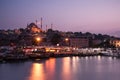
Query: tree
x: 56, y: 39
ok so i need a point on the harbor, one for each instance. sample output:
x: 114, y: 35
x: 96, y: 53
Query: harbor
x: 44, y: 52
x: 59, y: 39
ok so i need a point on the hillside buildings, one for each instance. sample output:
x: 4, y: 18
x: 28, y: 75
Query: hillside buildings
x: 34, y: 35
x: 115, y: 42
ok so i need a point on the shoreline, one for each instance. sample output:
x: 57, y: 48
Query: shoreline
x: 27, y: 58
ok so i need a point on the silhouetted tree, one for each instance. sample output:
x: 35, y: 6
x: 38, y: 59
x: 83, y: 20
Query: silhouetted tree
x: 56, y: 39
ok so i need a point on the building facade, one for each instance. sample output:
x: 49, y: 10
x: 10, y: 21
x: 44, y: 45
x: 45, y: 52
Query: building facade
x: 115, y: 43
x: 79, y: 42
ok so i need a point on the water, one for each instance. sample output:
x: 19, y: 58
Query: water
x: 66, y: 68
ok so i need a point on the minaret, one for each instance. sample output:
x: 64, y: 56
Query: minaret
x: 41, y: 23
x: 46, y: 28
x: 36, y: 22
x: 51, y: 26
x: 27, y: 26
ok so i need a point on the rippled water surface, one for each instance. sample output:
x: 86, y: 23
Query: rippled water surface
x: 66, y: 68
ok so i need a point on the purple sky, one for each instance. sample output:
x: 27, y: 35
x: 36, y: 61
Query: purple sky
x: 96, y: 16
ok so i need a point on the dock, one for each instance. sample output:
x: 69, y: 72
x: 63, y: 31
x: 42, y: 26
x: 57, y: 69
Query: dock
x: 47, y: 53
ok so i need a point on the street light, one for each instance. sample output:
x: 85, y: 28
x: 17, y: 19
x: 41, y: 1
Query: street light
x: 38, y: 40
x: 67, y: 41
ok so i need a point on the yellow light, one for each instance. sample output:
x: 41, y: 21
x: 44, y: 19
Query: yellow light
x: 47, y: 50
x: 52, y: 50
x: 37, y: 72
x: 38, y: 39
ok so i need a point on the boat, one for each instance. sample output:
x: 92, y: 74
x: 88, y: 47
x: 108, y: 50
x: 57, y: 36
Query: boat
x: 110, y: 52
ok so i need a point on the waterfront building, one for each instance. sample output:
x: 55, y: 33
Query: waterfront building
x: 96, y: 42
x: 79, y: 42
x: 115, y: 42
x: 17, y: 31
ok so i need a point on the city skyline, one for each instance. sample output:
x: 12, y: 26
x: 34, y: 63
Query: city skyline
x: 66, y: 15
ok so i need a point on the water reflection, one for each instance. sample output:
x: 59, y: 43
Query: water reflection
x: 74, y: 68
x: 99, y: 58
x: 66, y: 65
x: 75, y: 63
x: 50, y: 66
x: 66, y: 68
x: 41, y: 70
x: 37, y: 72
x: 86, y: 58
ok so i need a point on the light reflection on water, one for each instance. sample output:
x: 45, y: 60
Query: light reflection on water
x: 99, y: 58
x: 37, y: 72
x: 66, y: 68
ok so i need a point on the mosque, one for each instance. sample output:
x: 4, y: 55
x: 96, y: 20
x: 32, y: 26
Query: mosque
x: 33, y: 27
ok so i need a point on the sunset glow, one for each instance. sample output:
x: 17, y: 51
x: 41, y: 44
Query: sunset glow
x: 66, y: 15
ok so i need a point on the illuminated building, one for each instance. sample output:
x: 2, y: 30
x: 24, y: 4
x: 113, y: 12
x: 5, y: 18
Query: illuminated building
x: 115, y: 42
x: 79, y: 42
x: 34, y: 28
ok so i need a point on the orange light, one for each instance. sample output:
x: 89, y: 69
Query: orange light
x: 47, y: 49
x: 52, y: 50
x: 66, y: 39
x: 38, y: 39
x: 37, y: 72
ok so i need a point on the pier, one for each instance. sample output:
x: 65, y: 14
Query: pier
x: 48, y: 52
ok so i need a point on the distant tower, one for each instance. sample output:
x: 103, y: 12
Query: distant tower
x: 46, y: 28
x: 36, y: 22
x: 41, y: 23
x: 51, y: 26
